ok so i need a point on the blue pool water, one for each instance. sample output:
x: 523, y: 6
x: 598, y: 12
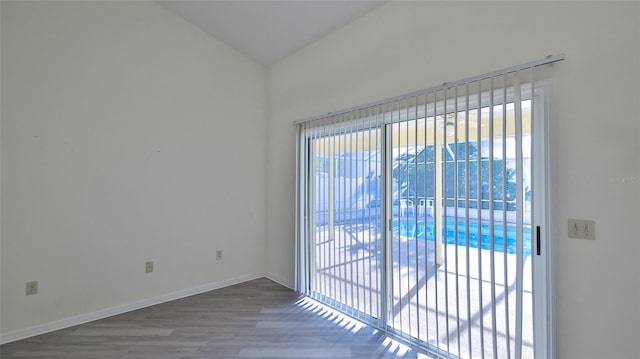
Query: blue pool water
x: 421, y: 231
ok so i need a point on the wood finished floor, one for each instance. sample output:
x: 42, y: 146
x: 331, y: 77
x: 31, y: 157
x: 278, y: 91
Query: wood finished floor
x: 256, y: 319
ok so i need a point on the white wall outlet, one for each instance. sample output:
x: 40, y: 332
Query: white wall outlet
x: 32, y: 287
x: 148, y: 267
x: 218, y: 255
x: 582, y: 229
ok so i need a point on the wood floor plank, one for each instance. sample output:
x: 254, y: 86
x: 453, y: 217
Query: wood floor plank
x: 121, y: 332
x: 261, y: 352
x: 256, y: 319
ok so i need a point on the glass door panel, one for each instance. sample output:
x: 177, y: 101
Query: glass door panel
x: 456, y: 245
x: 347, y: 253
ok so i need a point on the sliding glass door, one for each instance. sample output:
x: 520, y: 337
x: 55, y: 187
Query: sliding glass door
x: 422, y: 216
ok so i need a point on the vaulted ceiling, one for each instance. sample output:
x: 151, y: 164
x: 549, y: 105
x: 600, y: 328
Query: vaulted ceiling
x: 269, y: 30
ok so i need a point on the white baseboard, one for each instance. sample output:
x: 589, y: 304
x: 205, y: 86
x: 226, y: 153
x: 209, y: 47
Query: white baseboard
x: 108, y: 312
x: 278, y: 279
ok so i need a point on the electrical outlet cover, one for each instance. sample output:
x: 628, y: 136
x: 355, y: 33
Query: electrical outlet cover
x: 32, y: 288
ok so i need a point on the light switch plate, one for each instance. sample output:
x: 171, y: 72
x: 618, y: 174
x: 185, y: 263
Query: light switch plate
x: 581, y: 229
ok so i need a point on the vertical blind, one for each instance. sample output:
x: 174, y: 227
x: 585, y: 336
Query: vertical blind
x: 414, y: 214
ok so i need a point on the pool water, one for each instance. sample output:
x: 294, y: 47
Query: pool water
x: 421, y: 231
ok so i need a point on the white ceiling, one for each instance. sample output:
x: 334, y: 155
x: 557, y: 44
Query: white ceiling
x: 269, y: 30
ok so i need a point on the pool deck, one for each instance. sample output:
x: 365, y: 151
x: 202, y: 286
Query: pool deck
x: 460, y: 322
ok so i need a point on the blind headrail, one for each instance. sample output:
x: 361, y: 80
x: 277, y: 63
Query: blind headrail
x: 544, y: 61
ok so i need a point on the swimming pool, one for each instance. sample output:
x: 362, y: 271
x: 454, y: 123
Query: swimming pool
x: 421, y: 231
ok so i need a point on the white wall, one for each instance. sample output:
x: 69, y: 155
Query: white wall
x: 128, y: 135
x: 406, y: 46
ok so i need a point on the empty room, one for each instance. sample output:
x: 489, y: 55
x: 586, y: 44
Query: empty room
x: 319, y: 179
